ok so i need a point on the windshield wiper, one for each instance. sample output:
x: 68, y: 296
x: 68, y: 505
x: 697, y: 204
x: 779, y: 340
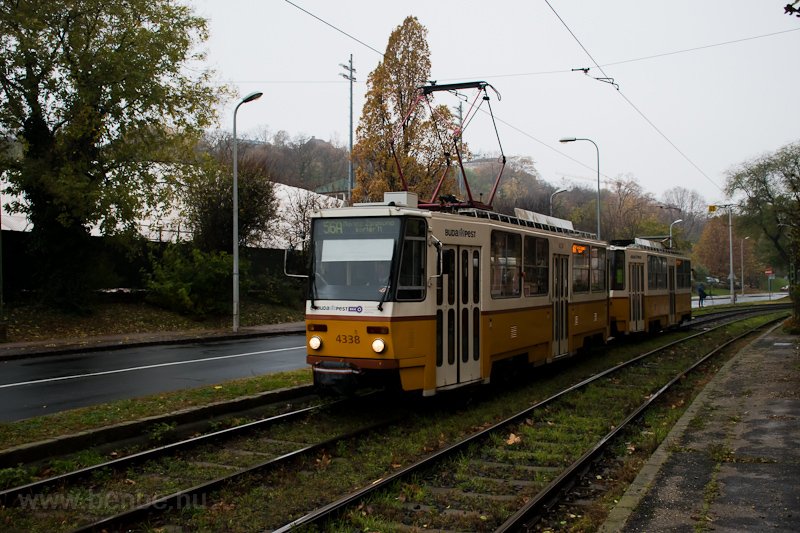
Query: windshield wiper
x: 385, y: 292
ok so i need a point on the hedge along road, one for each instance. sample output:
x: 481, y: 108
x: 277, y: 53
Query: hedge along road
x: 49, y: 384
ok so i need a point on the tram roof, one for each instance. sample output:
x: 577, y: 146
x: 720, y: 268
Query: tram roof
x: 405, y: 203
x: 645, y: 244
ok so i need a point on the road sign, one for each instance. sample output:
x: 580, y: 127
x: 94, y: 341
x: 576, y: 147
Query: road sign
x: 769, y: 272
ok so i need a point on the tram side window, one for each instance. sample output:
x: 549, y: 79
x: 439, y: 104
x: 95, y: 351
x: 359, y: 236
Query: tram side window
x: 598, y: 269
x: 618, y: 270
x: 684, y: 274
x: 580, y: 268
x: 535, y: 267
x: 505, y: 260
x: 412, y: 280
x: 656, y: 272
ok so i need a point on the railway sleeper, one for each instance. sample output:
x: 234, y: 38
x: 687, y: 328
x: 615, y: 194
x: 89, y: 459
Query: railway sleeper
x: 517, y: 467
x: 208, y: 464
x: 442, y: 518
x: 460, y: 494
x: 507, y: 481
x: 452, y: 514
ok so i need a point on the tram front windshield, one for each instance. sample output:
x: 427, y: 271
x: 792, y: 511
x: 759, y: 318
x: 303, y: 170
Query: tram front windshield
x: 353, y: 258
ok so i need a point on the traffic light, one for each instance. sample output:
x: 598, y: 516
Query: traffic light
x: 712, y: 209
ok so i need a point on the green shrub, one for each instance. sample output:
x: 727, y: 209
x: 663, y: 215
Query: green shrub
x: 192, y: 282
x: 276, y: 288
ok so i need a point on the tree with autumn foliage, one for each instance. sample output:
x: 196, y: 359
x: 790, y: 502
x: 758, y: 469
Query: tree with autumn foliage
x: 388, y: 127
x: 770, y: 185
x: 771, y: 206
x: 626, y: 208
x: 712, y: 250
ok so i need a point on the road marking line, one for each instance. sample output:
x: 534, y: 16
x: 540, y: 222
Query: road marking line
x: 145, y: 367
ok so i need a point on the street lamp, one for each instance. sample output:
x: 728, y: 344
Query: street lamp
x: 249, y: 98
x: 670, y: 230
x: 573, y: 139
x: 741, y: 258
x: 559, y: 191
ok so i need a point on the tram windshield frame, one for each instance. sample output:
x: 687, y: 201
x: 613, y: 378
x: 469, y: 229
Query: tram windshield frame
x: 358, y: 258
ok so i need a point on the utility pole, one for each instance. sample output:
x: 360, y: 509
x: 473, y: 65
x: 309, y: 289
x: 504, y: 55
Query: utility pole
x: 461, y: 177
x: 349, y: 75
x: 729, y: 207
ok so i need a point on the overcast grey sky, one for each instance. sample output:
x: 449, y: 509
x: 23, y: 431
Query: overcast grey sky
x: 714, y: 106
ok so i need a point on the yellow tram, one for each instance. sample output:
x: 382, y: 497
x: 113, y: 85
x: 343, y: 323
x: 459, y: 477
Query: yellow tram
x: 432, y: 295
x: 433, y: 299
x: 651, y: 286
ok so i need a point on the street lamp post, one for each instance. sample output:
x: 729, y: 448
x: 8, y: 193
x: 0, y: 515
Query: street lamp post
x: 559, y: 191
x: 249, y: 98
x: 741, y: 258
x: 573, y: 139
x: 729, y: 207
x: 730, y: 247
x: 670, y: 230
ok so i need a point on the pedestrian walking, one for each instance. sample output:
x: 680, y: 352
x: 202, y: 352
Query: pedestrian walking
x: 701, y: 292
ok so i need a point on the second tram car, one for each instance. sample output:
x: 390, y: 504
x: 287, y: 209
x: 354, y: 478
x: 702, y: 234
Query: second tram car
x: 433, y: 299
x: 651, y: 286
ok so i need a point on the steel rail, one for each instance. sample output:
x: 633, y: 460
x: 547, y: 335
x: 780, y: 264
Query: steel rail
x: 11, y: 496
x: 317, y: 516
x: 165, y: 503
x: 106, y: 435
x: 546, y: 497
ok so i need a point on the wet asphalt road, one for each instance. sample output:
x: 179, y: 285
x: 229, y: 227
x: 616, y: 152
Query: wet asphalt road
x: 44, y: 385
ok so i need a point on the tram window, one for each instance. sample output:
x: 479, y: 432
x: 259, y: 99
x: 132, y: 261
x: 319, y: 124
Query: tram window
x: 465, y: 272
x: 535, y: 266
x: 580, y: 268
x: 656, y: 272
x: 439, y: 337
x: 412, y: 280
x: 618, y: 270
x: 476, y: 333
x: 449, y: 264
x: 684, y: 274
x: 598, y: 269
x: 476, y: 277
x: 505, y: 261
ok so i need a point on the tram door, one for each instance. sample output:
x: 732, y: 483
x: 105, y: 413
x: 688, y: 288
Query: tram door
x: 560, y: 305
x: 671, y: 285
x: 636, y: 296
x: 458, y: 316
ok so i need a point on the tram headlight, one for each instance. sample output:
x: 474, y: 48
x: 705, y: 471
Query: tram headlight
x: 315, y: 343
x: 378, y: 346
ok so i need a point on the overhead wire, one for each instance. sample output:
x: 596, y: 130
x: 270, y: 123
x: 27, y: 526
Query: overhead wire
x: 335, y: 28
x: 596, y: 64
x: 541, y: 72
x: 639, y: 111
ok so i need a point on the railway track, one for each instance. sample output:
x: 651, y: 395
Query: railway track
x: 738, y: 311
x: 192, y: 469
x: 181, y: 423
x: 139, y: 489
x: 507, y: 476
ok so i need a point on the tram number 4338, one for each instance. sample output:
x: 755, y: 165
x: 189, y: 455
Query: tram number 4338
x: 348, y: 339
